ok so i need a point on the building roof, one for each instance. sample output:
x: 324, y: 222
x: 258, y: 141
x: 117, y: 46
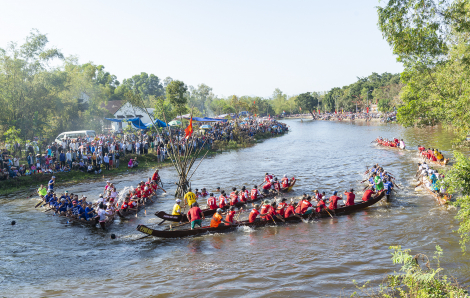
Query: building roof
x: 113, y: 105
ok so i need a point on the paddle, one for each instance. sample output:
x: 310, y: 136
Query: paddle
x: 142, y: 237
x: 39, y: 204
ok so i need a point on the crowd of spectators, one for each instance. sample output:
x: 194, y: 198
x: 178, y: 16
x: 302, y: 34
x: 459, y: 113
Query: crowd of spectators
x: 104, y: 152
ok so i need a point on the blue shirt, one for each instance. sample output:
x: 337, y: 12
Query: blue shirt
x: 77, y: 210
x: 388, y: 186
x: 51, y: 184
x: 87, y: 210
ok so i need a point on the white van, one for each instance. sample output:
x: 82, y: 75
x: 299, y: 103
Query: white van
x: 73, y: 135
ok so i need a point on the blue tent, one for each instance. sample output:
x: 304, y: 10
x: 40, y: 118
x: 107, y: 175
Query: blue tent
x: 138, y: 123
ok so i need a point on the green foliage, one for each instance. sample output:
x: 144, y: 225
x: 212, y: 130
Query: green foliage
x: 457, y: 180
x: 175, y: 93
x: 432, y: 40
x: 414, y: 280
x: 308, y: 102
x: 364, y: 92
x: 12, y: 135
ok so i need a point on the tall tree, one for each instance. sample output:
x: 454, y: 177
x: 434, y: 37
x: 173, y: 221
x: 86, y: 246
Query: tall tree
x: 308, y: 102
x: 176, y: 94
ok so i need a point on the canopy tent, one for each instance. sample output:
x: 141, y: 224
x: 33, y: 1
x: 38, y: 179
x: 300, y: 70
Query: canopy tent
x: 138, y: 123
x: 207, y: 119
x: 174, y: 123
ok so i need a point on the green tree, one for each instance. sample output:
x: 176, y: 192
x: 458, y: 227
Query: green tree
x: 308, y: 102
x: 176, y: 94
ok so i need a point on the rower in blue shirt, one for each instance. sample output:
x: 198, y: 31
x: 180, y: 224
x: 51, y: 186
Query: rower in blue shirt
x: 89, y: 211
x: 388, y: 186
x: 51, y: 183
x: 77, y: 210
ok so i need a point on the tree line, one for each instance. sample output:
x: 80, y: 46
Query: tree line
x: 43, y: 93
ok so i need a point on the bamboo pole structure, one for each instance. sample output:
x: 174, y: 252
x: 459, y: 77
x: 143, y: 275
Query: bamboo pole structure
x: 183, y: 164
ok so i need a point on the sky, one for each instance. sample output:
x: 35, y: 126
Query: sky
x: 235, y: 47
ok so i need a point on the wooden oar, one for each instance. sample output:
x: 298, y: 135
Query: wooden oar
x: 42, y: 201
x: 142, y: 237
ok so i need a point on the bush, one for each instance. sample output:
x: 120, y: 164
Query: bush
x: 415, y: 280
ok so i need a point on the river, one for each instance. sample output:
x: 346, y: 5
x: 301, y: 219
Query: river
x: 43, y: 256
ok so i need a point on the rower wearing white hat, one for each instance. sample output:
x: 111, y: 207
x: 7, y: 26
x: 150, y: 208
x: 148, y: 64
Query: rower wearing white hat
x: 177, y: 208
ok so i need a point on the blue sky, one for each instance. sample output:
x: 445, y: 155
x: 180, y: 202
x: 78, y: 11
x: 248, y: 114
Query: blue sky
x: 235, y: 47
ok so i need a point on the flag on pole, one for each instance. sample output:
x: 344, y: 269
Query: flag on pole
x: 335, y: 112
x: 189, y: 130
x: 367, y: 110
x: 318, y: 111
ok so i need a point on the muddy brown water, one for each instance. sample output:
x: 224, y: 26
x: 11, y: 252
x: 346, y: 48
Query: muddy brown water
x: 42, y: 255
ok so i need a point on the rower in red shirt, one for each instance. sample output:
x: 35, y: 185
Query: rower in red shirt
x: 230, y: 216
x: 320, y: 205
x: 233, y: 197
x: 247, y: 193
x: 195, y: 216
x: 350, y: 196
x: 204, y: 192
x: 265, y: 210
x: 268, y: 177
x: 212, y: 202
x: 334, y: 201
x: 267, y: 186
x: 155, y: 176
x: 242, y: 196
x: 299, y: 205
x: 368, y: 194
x: 304, y: 205
x: 222, y: 199
x: 255, y: 194
x: 277, y: 185
x: 290, y: 210
x: 281, y: 208
x: 254, y: 213
x: 285, y: 181
x: 234, y: 200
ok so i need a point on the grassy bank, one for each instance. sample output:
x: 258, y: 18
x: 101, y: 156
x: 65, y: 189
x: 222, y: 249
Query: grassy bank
x: 147, y: 161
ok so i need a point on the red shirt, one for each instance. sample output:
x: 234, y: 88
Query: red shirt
x: 194, y: 213
x: 254, y: 194
x: 124, y: 205
x: 267, y: 185
x: 268, y: 178
x: 253, y: 214
x: 367, y: 195
x: 277, y: 186
x: 221, y: 201
x: 155, y: 176
x: 233, y: 198
x: 289, y: 211
x: 266, y: 209
x: 350, y: 198
x: 242, y: 197
x: 333, y: 202
x: 285, y: 182
x: 320, y: 205
x: 230, y: 216
x: 281, y: 208
x: 138, y: 193
x: 212, y: 203
x: 304, y: 206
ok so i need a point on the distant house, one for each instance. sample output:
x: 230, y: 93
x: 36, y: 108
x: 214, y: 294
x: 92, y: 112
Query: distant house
x: 122, y: 109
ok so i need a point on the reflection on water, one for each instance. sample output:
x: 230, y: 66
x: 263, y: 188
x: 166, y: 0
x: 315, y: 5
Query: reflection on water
x: 41, y: 254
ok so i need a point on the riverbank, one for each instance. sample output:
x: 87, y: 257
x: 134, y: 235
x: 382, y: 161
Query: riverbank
x: 148, y: 161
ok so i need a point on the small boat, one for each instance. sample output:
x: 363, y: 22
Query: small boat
x: 389, y: 147
x: 225, y: 228
x: 209, y: 212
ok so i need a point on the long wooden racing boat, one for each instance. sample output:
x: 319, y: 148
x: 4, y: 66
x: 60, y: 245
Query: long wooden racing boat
x: 389, y: 147
x: 209, y: 212
x: 440, y: 163
x: 441, y: 199
x: 225, y: 228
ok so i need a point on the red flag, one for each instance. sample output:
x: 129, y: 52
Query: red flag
x: 189, y: 130
x: 335, y: 111
x: 367, y: 110
x: 318, y: 111
x: 254, y: 102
